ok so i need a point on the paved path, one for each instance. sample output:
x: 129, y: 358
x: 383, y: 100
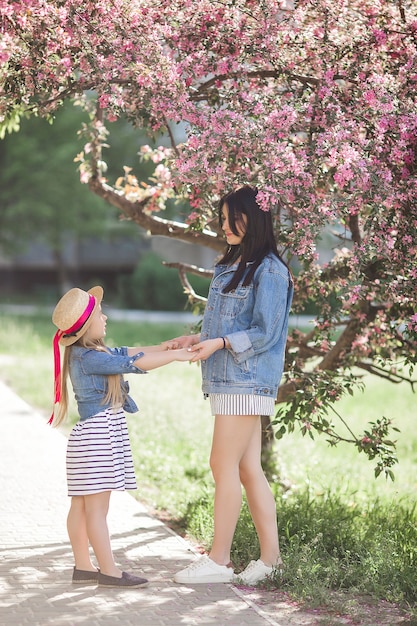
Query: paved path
x: 36, y: 560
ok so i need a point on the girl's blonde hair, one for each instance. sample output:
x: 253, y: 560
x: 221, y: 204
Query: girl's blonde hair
x: 115, y: 395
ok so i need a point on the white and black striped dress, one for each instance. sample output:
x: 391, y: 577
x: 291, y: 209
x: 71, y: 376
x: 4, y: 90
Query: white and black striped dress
x: 99, y: 457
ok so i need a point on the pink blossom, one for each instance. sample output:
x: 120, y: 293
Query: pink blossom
x: 252, y: 93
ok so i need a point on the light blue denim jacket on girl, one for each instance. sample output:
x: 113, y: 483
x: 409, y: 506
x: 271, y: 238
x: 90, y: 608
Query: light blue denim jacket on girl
x: 88, y: 370
x: 255, y: 321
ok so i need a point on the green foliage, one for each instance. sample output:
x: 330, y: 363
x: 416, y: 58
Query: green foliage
x: 155, y: 287
x: 197, y: 519
x: 311, y: 404
x: 11, y: 123
x: 40, y: 191
x: 151, y: 286
x: 329, y: 543
x: 375, y: 444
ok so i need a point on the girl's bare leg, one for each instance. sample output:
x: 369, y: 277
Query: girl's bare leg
x: 77, y: 532
x: 96, y: 509
x: 260, y: 499
x: 231, y: 438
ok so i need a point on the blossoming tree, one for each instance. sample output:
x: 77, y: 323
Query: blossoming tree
x: 313, y: 102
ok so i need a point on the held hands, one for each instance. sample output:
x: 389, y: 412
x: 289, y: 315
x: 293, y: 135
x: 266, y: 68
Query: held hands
x: 201, y: 351
x: 182, y: 354
x: 181, y: 342
x: 177, y: 352
x: 190, y: 348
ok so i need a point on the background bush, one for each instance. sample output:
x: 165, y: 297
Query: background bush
x: 154, y: 287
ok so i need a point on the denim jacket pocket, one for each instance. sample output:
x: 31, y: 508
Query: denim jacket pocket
x: 231, y: 303
x: 245, y: 370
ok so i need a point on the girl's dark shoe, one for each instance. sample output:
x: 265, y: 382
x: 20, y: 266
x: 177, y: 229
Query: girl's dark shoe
x: 84, y: 577
x: 127, y: 580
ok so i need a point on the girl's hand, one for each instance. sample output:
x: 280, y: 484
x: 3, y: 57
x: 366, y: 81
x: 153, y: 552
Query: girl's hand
x: 182, y: 354
x: 202, y: 351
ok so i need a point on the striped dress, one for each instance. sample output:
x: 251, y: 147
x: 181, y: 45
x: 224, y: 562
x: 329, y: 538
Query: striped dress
x: 241, y: 404
x: 99, y: 457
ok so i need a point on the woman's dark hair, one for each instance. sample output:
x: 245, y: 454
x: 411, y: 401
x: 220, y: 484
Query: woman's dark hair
x: 258, y: 240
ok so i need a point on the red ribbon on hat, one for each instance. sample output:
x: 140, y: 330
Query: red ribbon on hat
x: 57, y: 356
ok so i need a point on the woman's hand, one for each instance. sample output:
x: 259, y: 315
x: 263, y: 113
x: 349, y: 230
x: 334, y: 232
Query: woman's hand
x: 170, y: 344
x: 206, y: 348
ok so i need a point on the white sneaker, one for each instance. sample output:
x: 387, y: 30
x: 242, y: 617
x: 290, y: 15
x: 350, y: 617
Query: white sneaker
x: 257, y: 571
x: 204, y: 570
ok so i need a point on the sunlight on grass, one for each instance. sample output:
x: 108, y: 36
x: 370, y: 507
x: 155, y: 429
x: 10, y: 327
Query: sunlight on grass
x: 171, y: 434
x: 319, y: 465
x: 28, y: 367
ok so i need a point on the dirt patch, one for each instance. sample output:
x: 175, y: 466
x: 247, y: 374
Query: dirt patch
x: 342, y: 610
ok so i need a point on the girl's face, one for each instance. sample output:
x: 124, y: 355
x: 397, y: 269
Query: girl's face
x: 97, y: 328
x: 232, y: 239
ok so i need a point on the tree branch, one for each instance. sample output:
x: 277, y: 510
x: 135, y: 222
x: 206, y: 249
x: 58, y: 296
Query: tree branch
x: 188, y: 288
x: 155, y: 225
x: 331, y: 360
x: 355, y: 229
x: 190, y: 269
x: 393, y: 377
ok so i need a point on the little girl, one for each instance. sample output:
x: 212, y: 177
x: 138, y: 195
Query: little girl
x: 99, y: 457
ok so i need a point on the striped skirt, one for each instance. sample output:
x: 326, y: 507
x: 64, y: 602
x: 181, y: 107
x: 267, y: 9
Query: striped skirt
x: 99, y: 457
x: 241, y: 404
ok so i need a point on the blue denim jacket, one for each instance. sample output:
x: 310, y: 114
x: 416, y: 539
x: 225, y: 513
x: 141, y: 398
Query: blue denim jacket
x: 255, y: 321
x: 88, y: 370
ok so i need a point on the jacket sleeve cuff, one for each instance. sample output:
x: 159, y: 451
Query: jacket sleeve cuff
x: 135, y: 368
x: 241, y: 346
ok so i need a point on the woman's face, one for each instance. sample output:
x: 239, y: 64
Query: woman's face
x: 232, y: 239
x: 97, y: 328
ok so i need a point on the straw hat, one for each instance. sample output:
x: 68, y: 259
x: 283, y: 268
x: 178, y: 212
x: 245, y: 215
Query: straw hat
x: 74, y: 313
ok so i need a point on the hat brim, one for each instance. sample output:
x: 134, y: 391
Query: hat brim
x: 97, y: 292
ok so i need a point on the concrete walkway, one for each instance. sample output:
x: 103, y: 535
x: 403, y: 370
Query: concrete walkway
x: 35, y: 554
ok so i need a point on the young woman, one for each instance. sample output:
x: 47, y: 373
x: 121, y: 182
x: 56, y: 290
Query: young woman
x: 241, y: 348
x: 99, y: 457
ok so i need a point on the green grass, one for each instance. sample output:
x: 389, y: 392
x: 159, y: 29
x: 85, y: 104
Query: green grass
x: 314, y: 462
x: 340, y: 529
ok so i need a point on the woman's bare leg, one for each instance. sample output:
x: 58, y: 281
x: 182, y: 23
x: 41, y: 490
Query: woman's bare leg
x: 260, y: 499
x: 77, y: 532
x: 231, y: 438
